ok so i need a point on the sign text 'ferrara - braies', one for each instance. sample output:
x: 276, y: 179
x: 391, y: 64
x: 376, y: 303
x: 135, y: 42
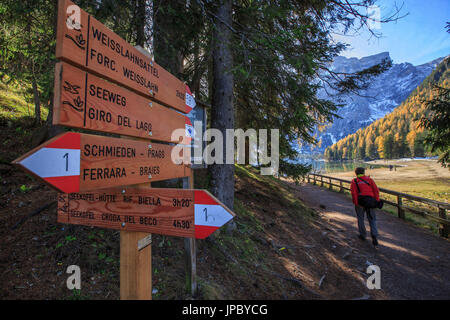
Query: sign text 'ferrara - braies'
x: 175, y: 212
x: 85, y: 101
x: 83, y: 40
x: 74, y: 162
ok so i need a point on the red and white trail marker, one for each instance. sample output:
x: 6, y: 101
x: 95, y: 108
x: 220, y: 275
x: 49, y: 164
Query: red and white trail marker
x: 190, y: 100
x: 174, y: 212
x: 210, y: 214
x: 51, y: 162
x: 74, y: 162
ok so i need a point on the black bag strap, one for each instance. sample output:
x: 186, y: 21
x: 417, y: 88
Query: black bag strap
x: 356, y: 182
x: 357, y: 187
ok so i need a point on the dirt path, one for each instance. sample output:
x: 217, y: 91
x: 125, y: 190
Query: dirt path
x: 414, y: 264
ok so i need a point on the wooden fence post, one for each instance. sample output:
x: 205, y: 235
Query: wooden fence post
x: 321, y: 181
x: 330, y: 187
x: 314, y: 179
x: 443, y: 228
x: 190, y: 250
x: 308, y: 178
x: 400, y: 211
x: 341, y: 188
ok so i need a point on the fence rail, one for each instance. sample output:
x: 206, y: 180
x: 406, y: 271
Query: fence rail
x: 442, y: 207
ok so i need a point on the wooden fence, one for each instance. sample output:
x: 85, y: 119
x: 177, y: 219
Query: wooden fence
x: 442, y: 207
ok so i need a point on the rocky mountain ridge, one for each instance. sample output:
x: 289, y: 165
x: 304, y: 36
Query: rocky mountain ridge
x: 383, y: 95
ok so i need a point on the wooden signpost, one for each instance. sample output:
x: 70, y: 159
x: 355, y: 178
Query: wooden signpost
x: 84, y: 41
x: 107, y: 85
x: 175, y: 212
x: 73, y: 162
x: 85, y: 101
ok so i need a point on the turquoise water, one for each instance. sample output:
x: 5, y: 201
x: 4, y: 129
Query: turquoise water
x: 320, y: 166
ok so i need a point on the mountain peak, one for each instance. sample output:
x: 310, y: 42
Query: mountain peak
x: 385, y: 92
x: 376, y: 58
x: 343, y: 64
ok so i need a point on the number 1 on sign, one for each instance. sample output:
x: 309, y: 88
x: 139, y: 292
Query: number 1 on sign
x: 67, y: 161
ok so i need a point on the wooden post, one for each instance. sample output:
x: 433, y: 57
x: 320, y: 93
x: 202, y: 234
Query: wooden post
x: 308, y: 178
x: 330, y: 187
x: 135, y: 267
x: 400, y: 211
x: 191, y: 266
x: 443, y: 228
x: 321, y: 181
x: 341, y: 188
x: 314, y: 179
x: 190, y: 250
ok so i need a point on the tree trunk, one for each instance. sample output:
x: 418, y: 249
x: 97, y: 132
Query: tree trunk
x: 37, y: 102
x: 166, y: 35
x: 222, y: 113
x: 140, y: 23
x: 52, y: 129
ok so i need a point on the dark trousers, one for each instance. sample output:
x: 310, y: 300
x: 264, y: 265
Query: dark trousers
x: 371, y: 216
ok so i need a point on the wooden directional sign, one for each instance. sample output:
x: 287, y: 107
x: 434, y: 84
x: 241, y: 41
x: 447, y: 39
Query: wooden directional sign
x: 85, y: 101
x: 174, y: 212
x: 73, y: 162
x: 84, y: 41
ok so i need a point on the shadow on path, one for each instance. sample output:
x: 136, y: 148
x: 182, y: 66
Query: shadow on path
x: 414, y: 263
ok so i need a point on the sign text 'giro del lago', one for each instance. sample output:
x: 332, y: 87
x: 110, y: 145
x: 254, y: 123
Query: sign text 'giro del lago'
x: 85, y: 101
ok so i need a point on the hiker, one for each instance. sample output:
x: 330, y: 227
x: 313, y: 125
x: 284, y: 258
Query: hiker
x: 365, y: 196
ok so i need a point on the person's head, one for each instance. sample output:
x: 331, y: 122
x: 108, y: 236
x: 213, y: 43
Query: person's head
x: 360, y: 171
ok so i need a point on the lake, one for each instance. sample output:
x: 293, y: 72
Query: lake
x: 322, y: 166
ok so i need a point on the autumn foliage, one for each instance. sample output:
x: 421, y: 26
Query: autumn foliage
x: 399, y: 133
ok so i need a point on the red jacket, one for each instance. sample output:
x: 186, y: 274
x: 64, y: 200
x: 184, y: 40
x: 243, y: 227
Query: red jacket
x: 367, y: 188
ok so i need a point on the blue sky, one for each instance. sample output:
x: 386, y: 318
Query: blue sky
x: 417, y: 38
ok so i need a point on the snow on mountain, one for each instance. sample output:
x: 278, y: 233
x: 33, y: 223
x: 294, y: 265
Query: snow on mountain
x: 384, y: 93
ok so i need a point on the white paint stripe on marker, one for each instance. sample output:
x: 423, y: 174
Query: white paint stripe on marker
x: 190, y: 132
x: 53, y: 162
x: 190, y: 101
x: 211, y: 215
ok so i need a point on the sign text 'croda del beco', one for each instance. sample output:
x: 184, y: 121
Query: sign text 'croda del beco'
x: 175, y: 212
x: 84, y: 41
x: 73, y: 162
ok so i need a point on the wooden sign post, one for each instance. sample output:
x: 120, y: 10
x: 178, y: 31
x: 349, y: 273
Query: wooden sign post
x: 73, y: 162
x: 105, y: 84
x: 190, y: 251
x: 87, y: 43
x: 135, y: 267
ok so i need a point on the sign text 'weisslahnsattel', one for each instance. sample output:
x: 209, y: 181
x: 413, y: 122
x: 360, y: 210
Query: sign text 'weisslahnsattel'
x: 84, y: 41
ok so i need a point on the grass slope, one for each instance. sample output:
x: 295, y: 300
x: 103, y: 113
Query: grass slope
x: 15, y: 103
